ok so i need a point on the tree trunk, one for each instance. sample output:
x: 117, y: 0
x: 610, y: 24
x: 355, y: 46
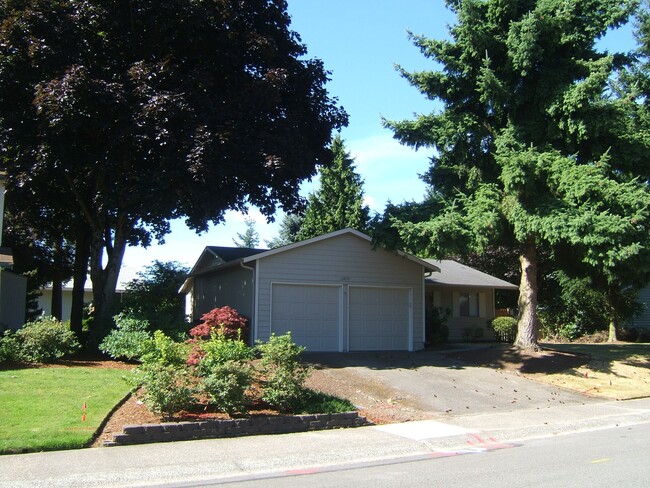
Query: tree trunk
x: 528, y: 325
x: 613, y: 316
x: 81, y: 257
x: 105, y: 278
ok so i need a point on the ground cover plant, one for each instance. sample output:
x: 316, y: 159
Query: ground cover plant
x: 42, y: 407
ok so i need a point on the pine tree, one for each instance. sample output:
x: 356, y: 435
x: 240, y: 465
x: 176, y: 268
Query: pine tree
x: 530, y: 146
x: 250, y: 238
x: 338, y: 203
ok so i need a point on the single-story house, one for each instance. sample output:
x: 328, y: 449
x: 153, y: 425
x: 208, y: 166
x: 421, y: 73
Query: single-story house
x: 466, y: 295
x: 334, y: 292
x: 45, y: 298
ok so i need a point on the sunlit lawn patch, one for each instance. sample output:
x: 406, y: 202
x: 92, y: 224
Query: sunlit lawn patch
x: 618, y: 371
x: 42, y: 408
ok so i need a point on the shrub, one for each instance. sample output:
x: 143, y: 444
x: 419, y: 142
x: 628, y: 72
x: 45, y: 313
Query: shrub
x: 166, y: 389
x: 46, y: 339
x: 9, y: 348
x: 217, y: 351
x: 129, y: 338
x: 319, y: 402
x: 505, y: 328
x: 284, y: 374
x: 164, y: 351
x: 224, y: 320
x: 437, y: 331
x: 227, y: 384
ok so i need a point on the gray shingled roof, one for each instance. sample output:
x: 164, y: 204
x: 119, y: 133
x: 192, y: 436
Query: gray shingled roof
x: 456, y: 274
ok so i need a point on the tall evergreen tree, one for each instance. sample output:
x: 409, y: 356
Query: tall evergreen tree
x: 288, y: 232
x: 529, y: 146
x: 250, y: 238
x: 338, y: 203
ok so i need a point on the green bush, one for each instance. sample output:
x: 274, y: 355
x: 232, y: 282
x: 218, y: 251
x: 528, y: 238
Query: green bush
x: 219, y: 350
x: 227, y: 384
x: 129, y: 338
x: 45, y: 340
x: 9, y: 348
x: 318, y: 402
x: 163, y: 350
x: 283, y: 372
x: 505, y: 328
x: 166, y: 389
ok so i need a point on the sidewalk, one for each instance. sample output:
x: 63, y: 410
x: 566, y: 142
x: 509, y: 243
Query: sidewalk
x: 261, y: 456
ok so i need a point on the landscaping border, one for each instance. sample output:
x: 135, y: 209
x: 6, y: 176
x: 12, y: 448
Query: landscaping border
x: 212, y: 429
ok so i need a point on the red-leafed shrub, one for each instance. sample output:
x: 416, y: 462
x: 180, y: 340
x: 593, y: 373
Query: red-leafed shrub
x: 224, y: 320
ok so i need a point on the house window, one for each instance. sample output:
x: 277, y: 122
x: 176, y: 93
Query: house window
x: 468, y: 304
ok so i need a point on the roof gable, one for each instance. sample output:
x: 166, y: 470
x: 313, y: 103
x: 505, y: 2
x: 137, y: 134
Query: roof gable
x: 217, y: 255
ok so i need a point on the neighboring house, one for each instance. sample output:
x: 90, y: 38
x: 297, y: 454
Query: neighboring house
x: 333, y: 292
x: 45, y: 299
x: 467, y: 295
x: 642, y: 321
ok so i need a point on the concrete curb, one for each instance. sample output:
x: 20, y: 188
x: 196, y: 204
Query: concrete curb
x: 212, y: 429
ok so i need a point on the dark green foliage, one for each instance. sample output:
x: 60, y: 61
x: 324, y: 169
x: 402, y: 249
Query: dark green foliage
x: 338, y: 203
x: 10, y: 350
x: 318, y: 402
x: 531, y: 147
x: 288, y: 233
x: 166, y: 389
x: 153, y: 297
x: 128, y: 340
x: 505, y: 328
x: 45, y: 340
x: 284, y: 375
x: 227, y: 385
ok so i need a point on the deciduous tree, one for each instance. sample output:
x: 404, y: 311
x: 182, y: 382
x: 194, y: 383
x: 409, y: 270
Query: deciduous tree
x: 141, y: 111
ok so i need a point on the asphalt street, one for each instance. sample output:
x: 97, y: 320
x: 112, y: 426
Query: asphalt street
x: 208, y: 462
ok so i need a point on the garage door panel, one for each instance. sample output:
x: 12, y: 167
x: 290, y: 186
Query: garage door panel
x: 379, y: 319
x: 311, y: 313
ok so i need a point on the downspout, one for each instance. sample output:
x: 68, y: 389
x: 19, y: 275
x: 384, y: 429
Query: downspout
x: 253, y: 337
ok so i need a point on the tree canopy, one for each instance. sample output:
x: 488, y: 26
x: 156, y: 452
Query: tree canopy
x: 531, y: 146
x: 338, y: 202
x: 124, y: 115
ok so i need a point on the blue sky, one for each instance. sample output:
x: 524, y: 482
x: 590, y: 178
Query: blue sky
x: 359, y: 41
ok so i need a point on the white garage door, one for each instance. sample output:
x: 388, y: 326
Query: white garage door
x: 379, y: 319
x: 312, y: 314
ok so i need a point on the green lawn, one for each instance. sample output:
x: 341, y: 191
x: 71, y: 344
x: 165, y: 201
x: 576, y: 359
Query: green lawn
x: 41, y: 408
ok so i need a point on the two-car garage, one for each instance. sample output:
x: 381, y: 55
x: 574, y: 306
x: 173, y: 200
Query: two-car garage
x: 342, y: 317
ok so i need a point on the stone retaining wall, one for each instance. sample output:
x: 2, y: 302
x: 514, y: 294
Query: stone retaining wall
x: 211, y: 429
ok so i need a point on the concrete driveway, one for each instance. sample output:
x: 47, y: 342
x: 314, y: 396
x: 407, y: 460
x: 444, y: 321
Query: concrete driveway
x: 432, y: 382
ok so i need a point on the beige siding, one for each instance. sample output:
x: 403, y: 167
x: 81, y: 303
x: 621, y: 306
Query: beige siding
x: 341, y: 260
x: 232, y: 287
x: 45, y: 301
x: 447, y: 299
